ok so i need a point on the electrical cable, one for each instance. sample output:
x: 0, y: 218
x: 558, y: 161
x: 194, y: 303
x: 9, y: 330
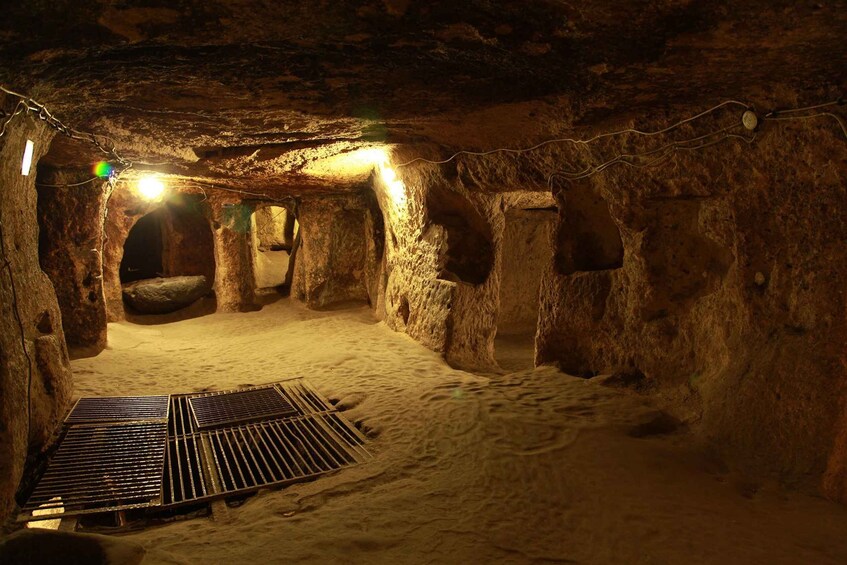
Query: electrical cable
x: 576, y: 141
x: 68, y: 185
x: 838, y: 102
x: 664, y: 152
x: 777, y: 115
x: 212, y: 186
x: 837, y: 118
x: 27, y: 104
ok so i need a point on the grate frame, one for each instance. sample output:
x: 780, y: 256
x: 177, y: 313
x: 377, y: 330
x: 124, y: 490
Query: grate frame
x: 186, y: 464
x: 271, y: 453
x: 304, y: 396
x: 235, y: 407
x: 104, y: 409
x: 102, y: 468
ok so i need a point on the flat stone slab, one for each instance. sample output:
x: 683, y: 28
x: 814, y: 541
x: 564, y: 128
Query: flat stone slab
x: 165, y: 295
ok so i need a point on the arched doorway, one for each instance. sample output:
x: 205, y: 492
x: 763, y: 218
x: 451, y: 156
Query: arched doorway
x: 170, y: 246
x: 143, y: 249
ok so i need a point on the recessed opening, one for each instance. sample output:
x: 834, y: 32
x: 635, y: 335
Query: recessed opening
x: 588, y: 238
x: 694, y: 270
x: 143, y: 249
x: 403, y: 310
x: 526, y: 253
x: 469, y: 253
x: 169, y: 258
x: 274, y: 231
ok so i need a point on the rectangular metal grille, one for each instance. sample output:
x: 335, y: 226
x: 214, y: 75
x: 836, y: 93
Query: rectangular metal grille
x: 219, y: 409
x: 119, y: 409
x: 103, y: 468
x: 245, y: 458
x: 306, y: 399
x: 193, y: 448
x: 208, y: 463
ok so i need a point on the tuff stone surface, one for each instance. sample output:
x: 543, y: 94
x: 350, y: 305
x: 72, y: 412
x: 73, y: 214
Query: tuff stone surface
x: 165, y: 295
x: 35, y: 377
x: 70, y: 223
x: 729, y: 297
x: 717, y: 274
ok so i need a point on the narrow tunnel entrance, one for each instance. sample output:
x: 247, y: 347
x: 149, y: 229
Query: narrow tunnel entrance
x: 526, y: 252
x: 275, y: 232
x: 143, y: 249
x: 168, y: 259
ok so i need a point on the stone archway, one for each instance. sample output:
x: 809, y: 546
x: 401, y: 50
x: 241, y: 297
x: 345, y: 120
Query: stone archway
x: 144, y: 241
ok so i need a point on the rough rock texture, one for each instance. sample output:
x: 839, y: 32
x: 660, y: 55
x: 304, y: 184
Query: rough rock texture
x: 717, y: 272
x: 234, y: 277
x: 527, y: 251
x: 330, y: 266
x: 165, y: 295
x: 440, y: 289
x: 124, y: 210
x: 70, y: 221
x: 254, y: 105
x: 35, y: 379
x: 729, y: 296
x: 187, y: 246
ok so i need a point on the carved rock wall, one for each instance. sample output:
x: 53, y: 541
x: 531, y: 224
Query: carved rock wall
x: 331, y: 263
x: 185, y: 240
x: 71, y: 236
x: 729, y: 296
x: 35, y: 377
x: 526, y: 253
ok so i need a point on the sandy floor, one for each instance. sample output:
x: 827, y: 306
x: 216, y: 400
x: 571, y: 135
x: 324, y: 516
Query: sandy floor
x: 534, y: 466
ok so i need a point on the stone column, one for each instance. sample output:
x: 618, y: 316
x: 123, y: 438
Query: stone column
x: 71, y: 247
x: 234, y: 279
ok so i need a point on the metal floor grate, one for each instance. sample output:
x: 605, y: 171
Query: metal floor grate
x: 304, y: 397
x: 299, y: 394
x: 103, y: 468
x: 227, y: 408
x: 244, y: 458
x: 203, y: 464
x: 119, y: 409
x: 192, y: 448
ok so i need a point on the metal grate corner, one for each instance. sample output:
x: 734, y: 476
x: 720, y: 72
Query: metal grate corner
x: 119, y: 409
x: 119, y: 453
x: 100, y: 468
x: 273, y: 451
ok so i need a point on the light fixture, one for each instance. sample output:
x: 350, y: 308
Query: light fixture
x: 395, y: 186
x: 150, y: 187
x: 750, y: 120
x: 26, y: 164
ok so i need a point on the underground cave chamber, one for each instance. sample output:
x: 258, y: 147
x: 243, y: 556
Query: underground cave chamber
x: 168, y: 248
x: 414, y: 283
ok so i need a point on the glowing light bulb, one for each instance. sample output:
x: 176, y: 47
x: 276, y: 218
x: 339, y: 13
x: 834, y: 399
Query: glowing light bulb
x: 396, y: 188
x: 388, y: 174
x: 151, y: 188
x: 26, y: 163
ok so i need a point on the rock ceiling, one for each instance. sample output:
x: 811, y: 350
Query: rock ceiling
x: 251, y: 93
